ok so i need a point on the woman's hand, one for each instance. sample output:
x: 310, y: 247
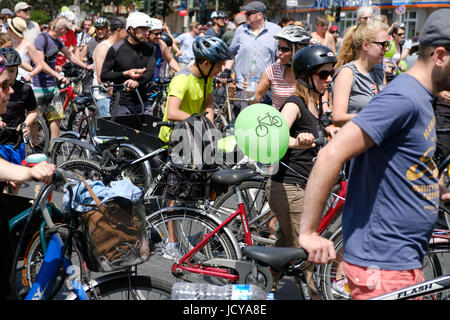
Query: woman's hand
x: 305, y: 140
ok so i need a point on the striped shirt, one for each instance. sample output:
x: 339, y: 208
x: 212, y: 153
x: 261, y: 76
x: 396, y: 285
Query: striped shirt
x: 281, y: 89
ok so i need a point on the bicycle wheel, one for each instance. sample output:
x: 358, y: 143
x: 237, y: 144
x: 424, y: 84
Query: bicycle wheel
x: 64, y: 150
x: 190, y: 228
x: 128, y: 287
x: 138, y: 174
x: 259, y: 213
x: 33, y: 258
x: 40, y: 137
x: 86, y: 168
x: 69, y: 109
x: 332, y: 272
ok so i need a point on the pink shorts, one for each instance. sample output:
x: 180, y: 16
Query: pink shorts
x: 365, y: 283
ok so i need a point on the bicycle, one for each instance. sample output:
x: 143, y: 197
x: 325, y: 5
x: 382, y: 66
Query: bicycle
x: 125, y: 284
x: 265, y: 122
x: 291, y: 262
x: 157, y: 94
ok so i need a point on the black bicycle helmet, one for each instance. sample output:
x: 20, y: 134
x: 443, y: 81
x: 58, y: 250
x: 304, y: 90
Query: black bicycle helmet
x: 309, y: 59
x: 11, y: 57
x: 211, y: 48
x: 167, y: 39
x: 101, y: 23
x: 218, y: 14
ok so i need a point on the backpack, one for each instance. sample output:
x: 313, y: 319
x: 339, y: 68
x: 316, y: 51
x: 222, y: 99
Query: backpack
x: 49, y: 56
x: 192, y: 144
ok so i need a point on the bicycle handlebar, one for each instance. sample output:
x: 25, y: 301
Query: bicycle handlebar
x: 170, y: 124
x: 19, y: 133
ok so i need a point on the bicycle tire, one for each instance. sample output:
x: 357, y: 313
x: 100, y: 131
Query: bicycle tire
x: 327, y: 273
x: 124, y: 288
x: 33, y: 259
x: 43, y: 137
x: 138, y: 174
x: 63, y: 151
x: 257, y: 211
x: 86, y: 168
x: 190, y: 227
x: 69, y: 109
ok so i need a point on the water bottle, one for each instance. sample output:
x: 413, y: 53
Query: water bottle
x: 252, y: 80
x: 205, y: 291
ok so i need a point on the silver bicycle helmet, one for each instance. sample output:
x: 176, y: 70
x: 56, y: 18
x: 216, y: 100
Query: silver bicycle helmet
x: 294, y: 34
x: 10, y: 56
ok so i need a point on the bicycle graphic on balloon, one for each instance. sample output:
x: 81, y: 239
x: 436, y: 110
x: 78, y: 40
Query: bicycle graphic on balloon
x: 264, y: 122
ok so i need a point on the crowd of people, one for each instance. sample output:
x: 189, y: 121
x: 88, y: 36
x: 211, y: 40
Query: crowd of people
x: 382, y: 118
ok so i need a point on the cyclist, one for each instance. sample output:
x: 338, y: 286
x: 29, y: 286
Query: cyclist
x: 118, y: 33
x: 22, y: 108
x: 162, y: 52
x: 359, y: 75
x: 322, y: 35
x: 11, y: 172
x: 191, y: 91
x: 46, y: 92
x: 25, y: 48
x: 312, y: 67
x: 185, y: 40
x: 131, y: 62
x: 252, y: 41
x: 218, y: 29
x: 279, y: 76
x: 69, y: 39
x: 392, y: 197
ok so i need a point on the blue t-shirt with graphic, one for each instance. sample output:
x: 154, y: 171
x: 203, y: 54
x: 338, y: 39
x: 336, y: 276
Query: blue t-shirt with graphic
x: 393, y: 192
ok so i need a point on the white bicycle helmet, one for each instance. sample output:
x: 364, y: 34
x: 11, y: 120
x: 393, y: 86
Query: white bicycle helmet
x: 218, y: 14
x: 155, y: 24
x: 69, y: 15
x: 138, y: 19
x: 294, y: 34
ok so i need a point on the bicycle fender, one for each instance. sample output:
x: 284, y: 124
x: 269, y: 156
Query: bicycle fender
x: 86, y: 145
x: 230, y: 234
x: 141, y: 154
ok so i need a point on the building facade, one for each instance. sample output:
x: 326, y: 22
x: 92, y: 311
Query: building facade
x: 412, y: 13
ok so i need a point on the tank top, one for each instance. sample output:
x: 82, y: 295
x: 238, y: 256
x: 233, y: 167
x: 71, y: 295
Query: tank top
x: 97, y: 94
x: 281, y: 89
x: 25, y: 58
x: 364, y: 86
x: 300, y: 160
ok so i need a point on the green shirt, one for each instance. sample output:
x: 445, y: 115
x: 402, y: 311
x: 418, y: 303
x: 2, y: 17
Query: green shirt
x: 189, y: 89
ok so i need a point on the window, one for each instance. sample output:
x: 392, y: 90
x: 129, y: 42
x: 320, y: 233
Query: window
x: 347, y: 21
x: 409, y: 18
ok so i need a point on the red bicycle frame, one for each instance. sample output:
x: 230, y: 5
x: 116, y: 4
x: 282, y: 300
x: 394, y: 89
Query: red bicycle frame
x: 185, y: 265
x: 70, y: 95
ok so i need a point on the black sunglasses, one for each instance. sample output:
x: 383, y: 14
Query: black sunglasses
x: 384, y: 44
x: 400, y: 34
x: 249, y: 13
x: 324, y: 74
x: 156, y: 33
x: 284, y: 49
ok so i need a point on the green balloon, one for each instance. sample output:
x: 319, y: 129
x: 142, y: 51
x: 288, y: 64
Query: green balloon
x: 404, y: 65
x: 390, y: 53
x: 64, y: 8
x: 262, y: 133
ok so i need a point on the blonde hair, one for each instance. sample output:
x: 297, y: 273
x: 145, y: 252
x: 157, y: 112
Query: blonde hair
x: 59, y: 23
x: 354, y: 39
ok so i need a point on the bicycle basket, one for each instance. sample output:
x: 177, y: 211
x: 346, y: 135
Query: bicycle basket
x: 113, y: 234
x: 188, y: 184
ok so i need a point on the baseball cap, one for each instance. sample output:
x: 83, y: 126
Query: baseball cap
x: 117, y: 22
x: 21, y: 5
x: 7, y: 12
x: 239, y: 19
x: 333, y: 28
x: 435, y: 32
x: 257, y: 6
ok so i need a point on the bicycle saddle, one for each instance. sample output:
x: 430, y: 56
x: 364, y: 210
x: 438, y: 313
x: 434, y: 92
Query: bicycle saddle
x: 231, y: 177
x: 83, y: 100
x: 275, y: 257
